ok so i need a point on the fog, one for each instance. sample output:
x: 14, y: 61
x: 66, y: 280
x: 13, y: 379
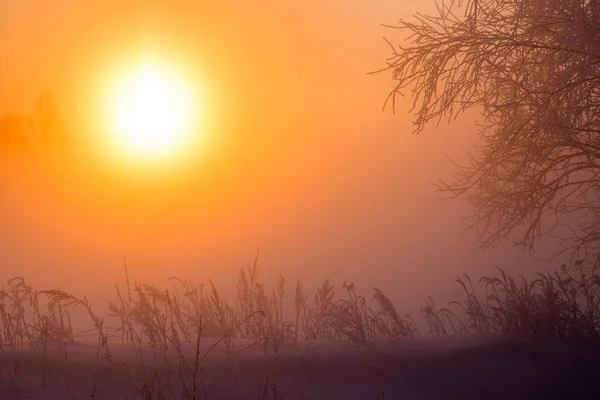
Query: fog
x: 314, y: 175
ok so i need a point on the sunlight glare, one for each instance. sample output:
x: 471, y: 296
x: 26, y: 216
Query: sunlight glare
x: 152, y: 111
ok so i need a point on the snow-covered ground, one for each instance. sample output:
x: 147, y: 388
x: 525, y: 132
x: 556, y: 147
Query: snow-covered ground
x: 451, y: 367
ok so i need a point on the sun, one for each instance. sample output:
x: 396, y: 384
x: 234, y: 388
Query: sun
x: 152, y: 111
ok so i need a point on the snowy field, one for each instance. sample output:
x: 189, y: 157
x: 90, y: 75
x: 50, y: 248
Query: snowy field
x: 444, y: 367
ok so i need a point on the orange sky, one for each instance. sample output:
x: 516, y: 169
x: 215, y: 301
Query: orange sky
x: 304, y: 165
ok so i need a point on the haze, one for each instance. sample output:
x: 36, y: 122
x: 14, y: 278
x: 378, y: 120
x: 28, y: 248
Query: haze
x: 302, y: 163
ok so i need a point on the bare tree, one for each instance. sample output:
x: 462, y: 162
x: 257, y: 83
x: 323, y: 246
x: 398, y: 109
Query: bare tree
x: 45, y: 129
x: 49, y: 123
x: 13, y: 133
x: 532, y: 67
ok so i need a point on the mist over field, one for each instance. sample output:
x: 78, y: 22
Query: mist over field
x: 196, y: 188
x: 328, y: 185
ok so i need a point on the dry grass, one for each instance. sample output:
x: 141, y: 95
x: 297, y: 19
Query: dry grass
x: 564, y: 303
x: 164, y: 328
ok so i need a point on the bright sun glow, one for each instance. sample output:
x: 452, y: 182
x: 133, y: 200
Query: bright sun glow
x: 152, y: 111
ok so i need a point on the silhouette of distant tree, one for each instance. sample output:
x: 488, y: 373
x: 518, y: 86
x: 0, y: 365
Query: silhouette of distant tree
x: 49, y: 123
x: 532, y: 67
x: 44, y: 129
x: 13, y: 132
